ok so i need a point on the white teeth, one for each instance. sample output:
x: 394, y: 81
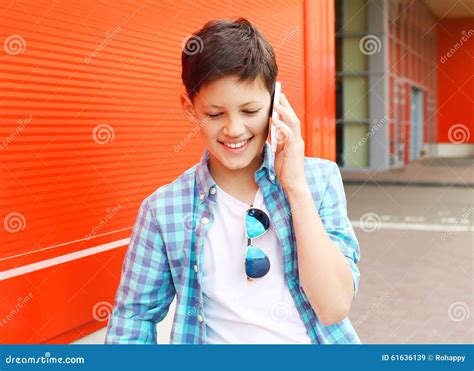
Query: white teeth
x: 236, y: 145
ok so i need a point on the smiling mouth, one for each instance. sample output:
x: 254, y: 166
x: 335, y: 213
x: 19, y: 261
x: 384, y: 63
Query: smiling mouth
x: 235, y: 145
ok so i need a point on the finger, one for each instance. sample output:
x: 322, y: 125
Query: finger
x: 283, y: 126
x: 285, y: 103
x: 285, y: 133
x: 288, y: 116
x: 283, y: 112
x: 280, y: 144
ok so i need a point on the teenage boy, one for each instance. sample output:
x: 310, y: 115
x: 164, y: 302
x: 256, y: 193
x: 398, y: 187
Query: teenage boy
x: 255, y: 246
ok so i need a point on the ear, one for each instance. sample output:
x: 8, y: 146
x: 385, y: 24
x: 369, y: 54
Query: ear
x: 188, y: 108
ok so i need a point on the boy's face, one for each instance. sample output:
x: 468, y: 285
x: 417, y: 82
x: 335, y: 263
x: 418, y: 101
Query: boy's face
x: 234, y: 119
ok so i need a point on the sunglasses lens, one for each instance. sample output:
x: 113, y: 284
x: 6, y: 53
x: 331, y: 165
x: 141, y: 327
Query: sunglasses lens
x: 257, y: 263
x: 256, y: 222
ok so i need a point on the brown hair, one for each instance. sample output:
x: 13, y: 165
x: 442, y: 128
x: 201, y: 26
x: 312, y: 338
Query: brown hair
x: 224, y: 48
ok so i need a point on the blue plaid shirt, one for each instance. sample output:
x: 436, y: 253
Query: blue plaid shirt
x: 163, y: 259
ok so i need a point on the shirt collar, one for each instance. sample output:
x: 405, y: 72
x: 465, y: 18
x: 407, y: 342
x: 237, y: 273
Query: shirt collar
x: 207, y: 186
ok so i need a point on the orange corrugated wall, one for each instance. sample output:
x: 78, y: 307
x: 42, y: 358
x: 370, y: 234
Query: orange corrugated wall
x: 455, y: 82
x: 90, y: 118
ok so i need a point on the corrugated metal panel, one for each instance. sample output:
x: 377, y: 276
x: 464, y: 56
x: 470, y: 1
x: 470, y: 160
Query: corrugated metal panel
x: 320, y: 132
x: 455, y: 115
x: 90, y: 116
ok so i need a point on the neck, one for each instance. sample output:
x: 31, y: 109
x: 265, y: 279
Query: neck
x: 229, y: 179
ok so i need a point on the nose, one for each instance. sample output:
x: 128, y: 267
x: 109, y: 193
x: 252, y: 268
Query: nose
x: 234, y: 128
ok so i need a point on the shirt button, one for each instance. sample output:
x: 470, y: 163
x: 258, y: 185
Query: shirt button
x: 204, y: 220
x: 195, y: 268
x: 272, y: 177
x: 201, y: 196
x: 213, y: 191
x: 200, y: 319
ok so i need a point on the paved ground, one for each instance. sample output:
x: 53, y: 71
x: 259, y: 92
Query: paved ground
x: 416, y: 265
x: 416, y: 231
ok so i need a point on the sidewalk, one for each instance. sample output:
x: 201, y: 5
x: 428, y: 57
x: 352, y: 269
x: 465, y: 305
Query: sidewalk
x: 437, y: 172
x: 416, y: 258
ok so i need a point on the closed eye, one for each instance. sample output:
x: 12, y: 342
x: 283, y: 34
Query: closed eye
x: 247, y: 112
x: 251, y: 112
x: 213, y: 115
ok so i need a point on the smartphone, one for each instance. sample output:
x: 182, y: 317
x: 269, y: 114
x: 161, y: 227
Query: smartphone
x: 273, y: 130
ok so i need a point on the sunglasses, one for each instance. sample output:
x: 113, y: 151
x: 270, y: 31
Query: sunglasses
x: 257, y: 263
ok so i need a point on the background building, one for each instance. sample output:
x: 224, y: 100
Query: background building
x: 404, y: 81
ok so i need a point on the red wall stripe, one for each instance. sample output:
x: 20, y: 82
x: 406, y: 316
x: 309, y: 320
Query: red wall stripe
x: 455, y: 81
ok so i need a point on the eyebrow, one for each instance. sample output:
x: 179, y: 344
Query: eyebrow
x: 244, y: 104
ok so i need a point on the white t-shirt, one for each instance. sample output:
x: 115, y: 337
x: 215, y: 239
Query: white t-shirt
x: 237, y: 311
